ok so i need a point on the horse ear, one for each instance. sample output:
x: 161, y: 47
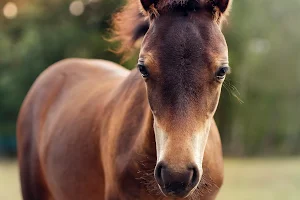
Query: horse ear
x: 147, y: 4
x: 223, y: 5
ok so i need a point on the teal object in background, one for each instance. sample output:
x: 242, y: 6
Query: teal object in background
x: 8, y: 145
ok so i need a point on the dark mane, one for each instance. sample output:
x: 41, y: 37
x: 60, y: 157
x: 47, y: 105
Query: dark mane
x: 177, y: 3
x: 131, y: 23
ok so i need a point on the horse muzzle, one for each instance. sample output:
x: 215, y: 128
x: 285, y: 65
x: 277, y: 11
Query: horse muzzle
x: 178, y: 184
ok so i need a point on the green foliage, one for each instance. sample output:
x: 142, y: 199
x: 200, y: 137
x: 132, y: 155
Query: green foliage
x: 43, y: 33
x: 263, y: 39
x: 264, y: 43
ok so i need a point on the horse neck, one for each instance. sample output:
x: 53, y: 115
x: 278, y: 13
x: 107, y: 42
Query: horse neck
x: 135, y: 122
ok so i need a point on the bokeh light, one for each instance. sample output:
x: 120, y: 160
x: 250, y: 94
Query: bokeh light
x: 76, y: 8
x: 10, y: 10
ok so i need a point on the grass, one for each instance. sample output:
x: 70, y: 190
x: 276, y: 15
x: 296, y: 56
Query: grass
x: 9, y: 181
x: 251, y: 179
x: 267, y: 179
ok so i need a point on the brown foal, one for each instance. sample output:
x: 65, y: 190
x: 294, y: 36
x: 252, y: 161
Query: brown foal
x: 92, y: 130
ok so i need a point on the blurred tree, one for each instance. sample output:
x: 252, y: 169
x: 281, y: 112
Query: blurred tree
x: 264, y: 44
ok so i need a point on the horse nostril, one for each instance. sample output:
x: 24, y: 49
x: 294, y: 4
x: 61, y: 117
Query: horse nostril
x: 158, y: 173
x: 195, y: 176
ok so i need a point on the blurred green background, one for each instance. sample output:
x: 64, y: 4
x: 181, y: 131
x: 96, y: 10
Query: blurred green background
x: 264, y: 45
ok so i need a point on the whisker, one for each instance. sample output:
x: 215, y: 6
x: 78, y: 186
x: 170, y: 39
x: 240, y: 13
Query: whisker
x: 146, y: 178
x: 233, y: 91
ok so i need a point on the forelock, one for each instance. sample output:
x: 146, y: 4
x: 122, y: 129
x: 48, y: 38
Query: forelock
x: 175, y: 3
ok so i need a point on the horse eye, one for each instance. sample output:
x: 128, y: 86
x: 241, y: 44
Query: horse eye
x: 143, y: 70
x: 221, y: 73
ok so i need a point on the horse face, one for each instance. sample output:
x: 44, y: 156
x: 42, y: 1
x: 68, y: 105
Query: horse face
x: 184, y: 61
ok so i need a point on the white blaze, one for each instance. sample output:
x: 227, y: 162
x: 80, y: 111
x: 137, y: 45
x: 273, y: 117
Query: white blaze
x: 196, y: 143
